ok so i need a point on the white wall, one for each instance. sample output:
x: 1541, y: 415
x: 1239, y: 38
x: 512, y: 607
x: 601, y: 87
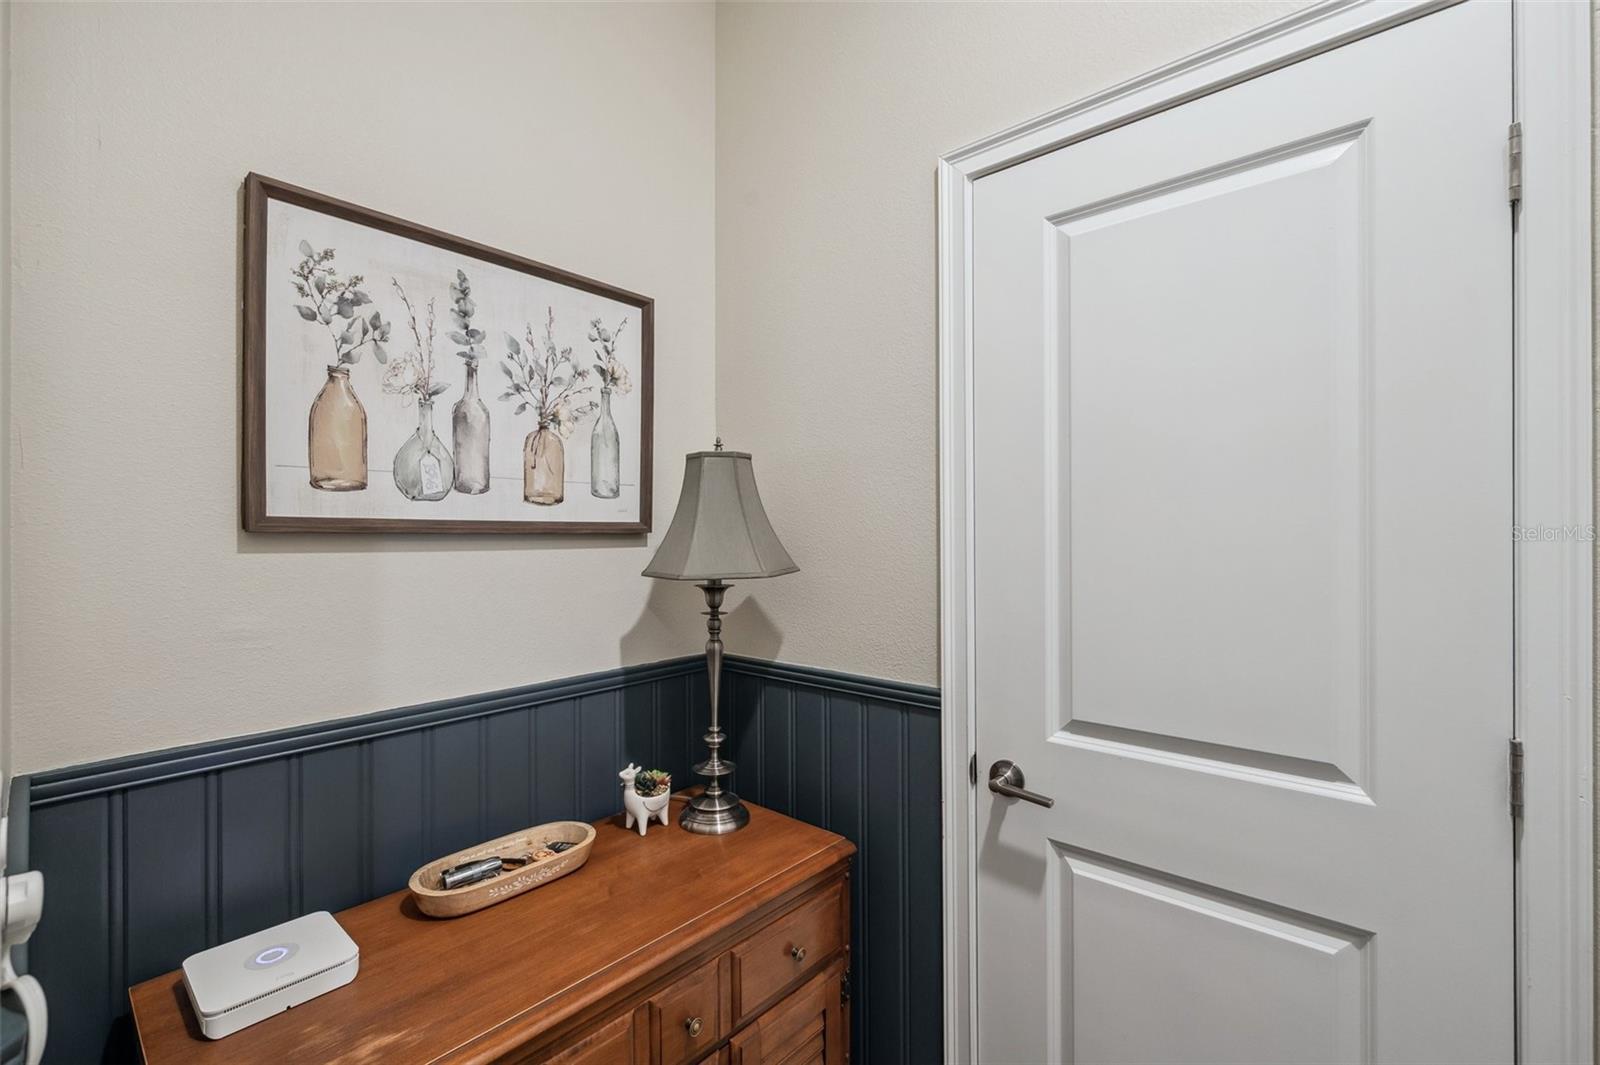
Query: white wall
x: 830, y: 118
x: 578, y: 135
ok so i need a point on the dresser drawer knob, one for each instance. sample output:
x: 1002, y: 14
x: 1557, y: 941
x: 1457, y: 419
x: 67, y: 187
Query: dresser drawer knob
x: 797, y: 953
x: 694, y: 1026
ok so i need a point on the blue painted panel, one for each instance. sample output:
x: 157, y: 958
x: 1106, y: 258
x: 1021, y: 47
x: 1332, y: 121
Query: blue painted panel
x: 672, y: 728
x: 555, y: 754
x: 640, y: 744
x: 166, y: 861
x: 847, y: 816
x: 71, y: 951
x: 743, y: 717
x: 509, y: 804
x: 777, y: 748
x: 924, y: 865
x: 331, y: 830
x: 698, y: 708
x: 253, y: 837
x: 455, y: 787
x: 846, y: 770
x: 398, y: 849
x: 885, y: 897
x: 810, y: 755
x: 599, y: 756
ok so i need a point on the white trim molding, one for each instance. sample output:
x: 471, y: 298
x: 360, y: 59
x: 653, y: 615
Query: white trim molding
x: 1555, y: 595
x: 1554, y: 476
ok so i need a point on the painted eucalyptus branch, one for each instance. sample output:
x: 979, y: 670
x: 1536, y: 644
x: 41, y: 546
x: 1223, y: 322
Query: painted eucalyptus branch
x: 334, y: 301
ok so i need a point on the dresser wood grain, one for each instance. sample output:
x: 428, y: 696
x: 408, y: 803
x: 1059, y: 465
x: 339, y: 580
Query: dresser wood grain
x: 674, y: 949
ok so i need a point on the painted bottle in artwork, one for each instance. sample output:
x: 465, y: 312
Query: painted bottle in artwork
x: 605, y: 453
x: 545, y: 377
x: 338, y: 436
x: 605, y: 445
x: 470, y: 432
x: 423, y: 469
x: 469, y: 422
x: 544, y: 467
x: 337, y: 433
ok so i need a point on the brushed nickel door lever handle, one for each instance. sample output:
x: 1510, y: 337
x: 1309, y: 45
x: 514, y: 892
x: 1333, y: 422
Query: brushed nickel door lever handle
x: 1005, y: 778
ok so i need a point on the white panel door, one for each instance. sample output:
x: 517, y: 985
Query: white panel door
x: 1242, y: 566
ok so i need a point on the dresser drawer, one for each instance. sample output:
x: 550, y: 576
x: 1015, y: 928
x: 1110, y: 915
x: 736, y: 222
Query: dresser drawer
x: 687, y: 1018
x: 808, y: 1027
x: 613, y: 1043
x: 777, y: 957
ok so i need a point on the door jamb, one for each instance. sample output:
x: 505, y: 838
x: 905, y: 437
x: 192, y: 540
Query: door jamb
x: 1554, y: 470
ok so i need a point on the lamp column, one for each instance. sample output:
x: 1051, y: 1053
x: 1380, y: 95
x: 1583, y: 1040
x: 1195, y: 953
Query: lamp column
x: 714, y: 811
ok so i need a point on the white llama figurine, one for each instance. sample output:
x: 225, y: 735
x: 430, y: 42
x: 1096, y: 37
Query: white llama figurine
x: 639, y: 809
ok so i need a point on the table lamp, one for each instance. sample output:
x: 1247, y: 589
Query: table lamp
x: 719, y: 533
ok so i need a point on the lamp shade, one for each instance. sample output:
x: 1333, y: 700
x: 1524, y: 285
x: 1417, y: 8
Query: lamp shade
x: 720, y: 531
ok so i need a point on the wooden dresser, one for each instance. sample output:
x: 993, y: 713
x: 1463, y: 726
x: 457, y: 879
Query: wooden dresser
x: 673, y: 949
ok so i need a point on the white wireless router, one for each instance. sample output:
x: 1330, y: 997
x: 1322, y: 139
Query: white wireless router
x: 234, y: 985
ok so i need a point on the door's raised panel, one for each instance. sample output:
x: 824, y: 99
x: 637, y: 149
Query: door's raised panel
x: 1251, y: 983
x: 1208, y: 476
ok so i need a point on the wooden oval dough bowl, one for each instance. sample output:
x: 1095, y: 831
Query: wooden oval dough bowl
x: 438, y: 902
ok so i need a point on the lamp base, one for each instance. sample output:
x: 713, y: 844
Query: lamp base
x: 714, y: 815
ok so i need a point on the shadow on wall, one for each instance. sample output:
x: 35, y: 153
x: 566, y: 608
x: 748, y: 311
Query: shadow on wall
x: 674, y: 609
x: 748, y: 630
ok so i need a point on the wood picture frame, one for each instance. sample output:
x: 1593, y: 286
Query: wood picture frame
x: 558, y: 370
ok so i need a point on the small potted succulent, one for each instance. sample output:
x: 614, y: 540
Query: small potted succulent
x: 645, y: 795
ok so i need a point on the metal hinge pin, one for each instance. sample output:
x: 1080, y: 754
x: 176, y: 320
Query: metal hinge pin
x: 1514, y: 163
x: 1516, y: 780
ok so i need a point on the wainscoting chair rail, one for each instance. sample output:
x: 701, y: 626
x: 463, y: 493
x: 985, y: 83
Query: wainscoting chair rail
x: 58, y: 785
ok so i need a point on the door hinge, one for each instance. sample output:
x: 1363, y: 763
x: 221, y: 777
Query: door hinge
x: 1514, y: 163
x: 844, y: 988
x: 1516, y: 780
x: 972, y: 769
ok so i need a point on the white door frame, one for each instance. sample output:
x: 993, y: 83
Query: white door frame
x: 1554, y: 471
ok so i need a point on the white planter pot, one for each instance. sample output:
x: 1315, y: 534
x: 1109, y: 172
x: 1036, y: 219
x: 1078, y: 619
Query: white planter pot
x: 639, y: 809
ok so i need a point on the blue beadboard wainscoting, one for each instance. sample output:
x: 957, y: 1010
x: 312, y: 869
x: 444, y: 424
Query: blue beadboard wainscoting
x: 150, y: 858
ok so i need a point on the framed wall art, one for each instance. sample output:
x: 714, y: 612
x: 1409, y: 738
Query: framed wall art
x: 401, y: 379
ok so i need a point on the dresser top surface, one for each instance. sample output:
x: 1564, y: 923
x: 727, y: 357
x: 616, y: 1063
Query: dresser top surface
x: 477, y: 985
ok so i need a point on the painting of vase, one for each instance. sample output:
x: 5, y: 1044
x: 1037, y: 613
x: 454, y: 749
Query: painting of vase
x: 469, y: 431
x: 469, y: 421
x: 423, y: 469
x: 358, y: 416
x: 337, y: 436
x: 544, y: 467
x: 546, y: 379
x: 605, y: 442
x: 605, y: 452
